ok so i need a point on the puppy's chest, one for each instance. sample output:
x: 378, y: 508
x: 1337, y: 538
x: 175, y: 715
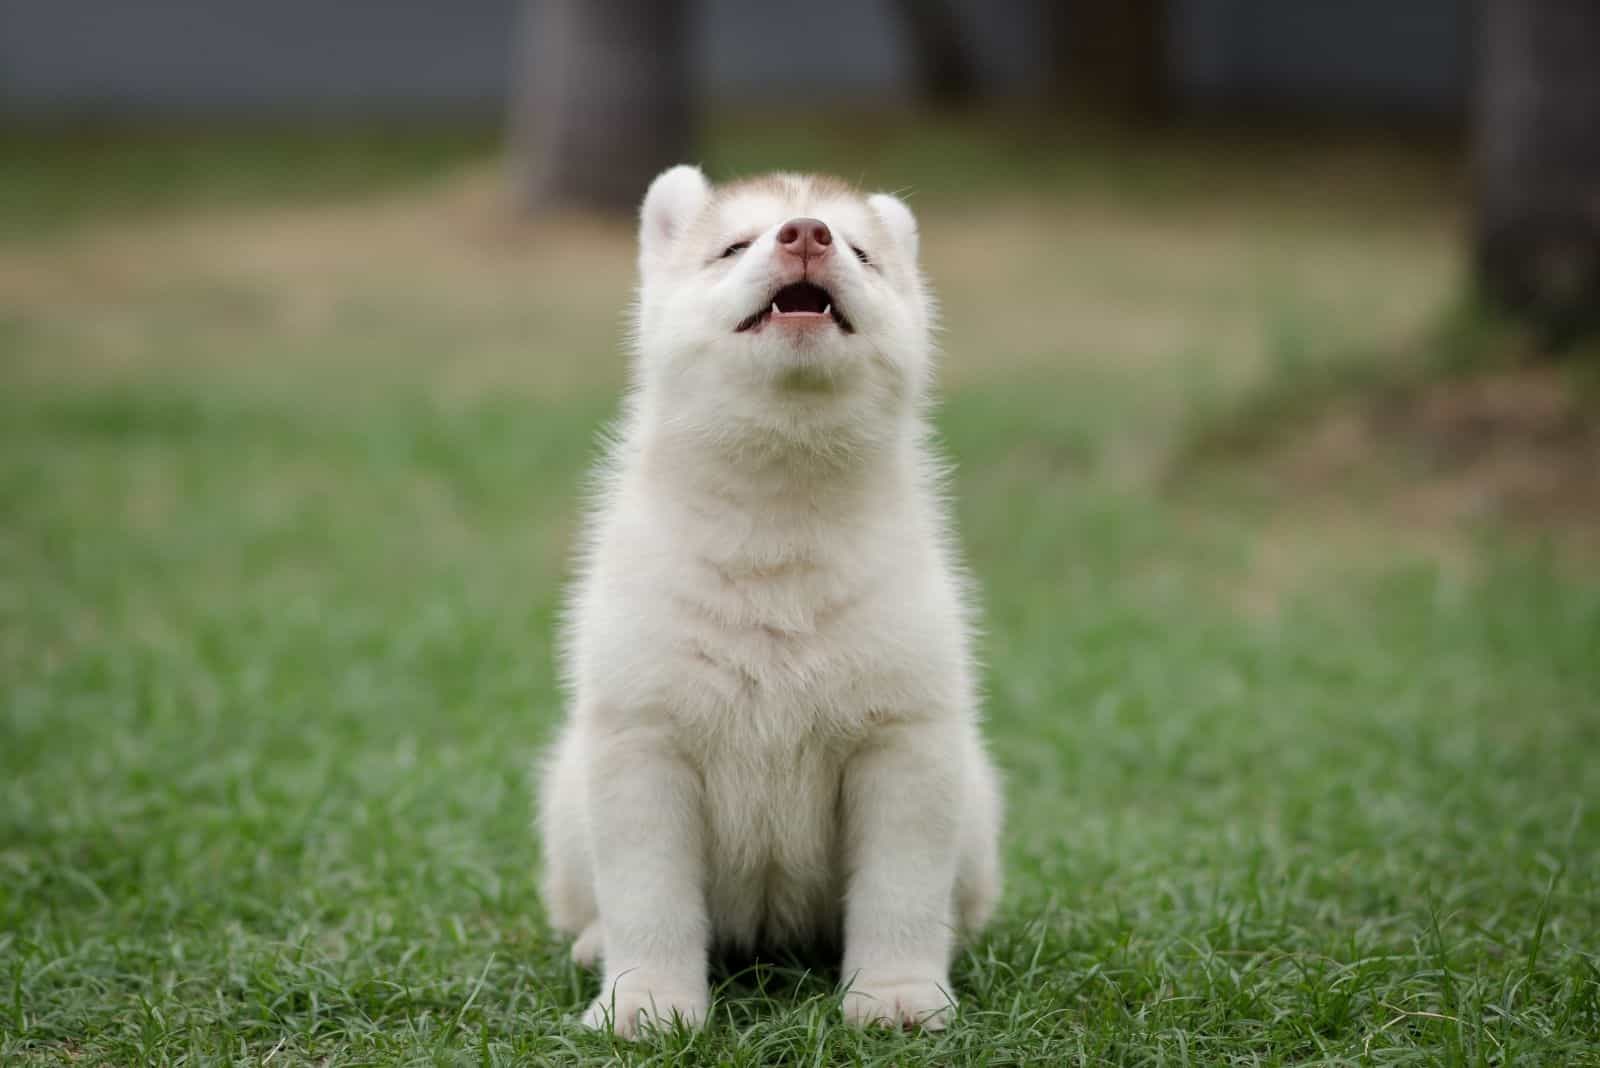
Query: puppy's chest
x: 796, y: 639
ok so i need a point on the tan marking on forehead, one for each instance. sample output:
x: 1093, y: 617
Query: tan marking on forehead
x: 789, y: 185
x: 745, y: 207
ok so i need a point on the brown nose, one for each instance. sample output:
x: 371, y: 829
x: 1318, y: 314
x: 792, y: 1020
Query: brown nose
x: 810, y: 239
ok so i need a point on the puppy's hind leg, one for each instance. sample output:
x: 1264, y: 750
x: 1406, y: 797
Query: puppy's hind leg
x: 589, y: 947
x: 567, y: 885
x: 978, y: 877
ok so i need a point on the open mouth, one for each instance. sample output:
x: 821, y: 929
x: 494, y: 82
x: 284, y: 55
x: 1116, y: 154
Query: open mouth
x: 800, y: 303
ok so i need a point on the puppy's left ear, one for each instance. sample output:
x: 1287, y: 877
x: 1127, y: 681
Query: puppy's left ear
x: 674, y: 199
x: 898, y: 220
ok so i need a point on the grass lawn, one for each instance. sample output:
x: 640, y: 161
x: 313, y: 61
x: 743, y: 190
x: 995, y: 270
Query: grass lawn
x: 287, y: 486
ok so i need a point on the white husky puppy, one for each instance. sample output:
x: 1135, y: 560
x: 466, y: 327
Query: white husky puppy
x: 773, y: 734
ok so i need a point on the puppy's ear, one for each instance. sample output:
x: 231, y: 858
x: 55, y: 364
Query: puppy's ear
x: 898, y: 220
x: 676, y: 196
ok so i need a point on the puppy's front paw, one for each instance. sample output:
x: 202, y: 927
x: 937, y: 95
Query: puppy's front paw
x: 904, y: 1001
x: 635, y: 1003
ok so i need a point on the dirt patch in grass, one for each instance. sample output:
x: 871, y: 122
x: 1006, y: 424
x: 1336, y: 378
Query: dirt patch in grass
x: 1377, y: 460
x: 1521, y: 446
x: 1516, y: 447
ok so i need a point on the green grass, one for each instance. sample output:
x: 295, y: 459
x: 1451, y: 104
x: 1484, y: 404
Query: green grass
x: 275, y: 644
x: 57, y: 179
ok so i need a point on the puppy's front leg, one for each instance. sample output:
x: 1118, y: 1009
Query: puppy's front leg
x: 900, y: 797
x: 646, y: 817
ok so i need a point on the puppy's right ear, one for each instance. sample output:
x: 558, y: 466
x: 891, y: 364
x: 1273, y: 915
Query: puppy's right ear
x: 897, y: 217
x: 676, y: 196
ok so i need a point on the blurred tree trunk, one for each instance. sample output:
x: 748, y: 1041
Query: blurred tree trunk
x: 601, y: 100
x: 1109, y: 57
x: 946, y: 71
x: 1537, y: 158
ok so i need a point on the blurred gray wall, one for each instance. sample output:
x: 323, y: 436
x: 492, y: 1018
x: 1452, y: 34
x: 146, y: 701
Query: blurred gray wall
x: 396, y: 58
x: 1365, y: 54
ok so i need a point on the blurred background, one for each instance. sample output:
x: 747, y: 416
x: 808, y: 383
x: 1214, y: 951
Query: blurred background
x: 1269, y: 379
x: 1197, y: 204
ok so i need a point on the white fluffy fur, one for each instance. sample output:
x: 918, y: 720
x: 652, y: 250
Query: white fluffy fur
x: 773, y: 734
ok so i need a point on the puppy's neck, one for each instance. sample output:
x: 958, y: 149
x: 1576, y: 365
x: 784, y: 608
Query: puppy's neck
x: 777, y: 473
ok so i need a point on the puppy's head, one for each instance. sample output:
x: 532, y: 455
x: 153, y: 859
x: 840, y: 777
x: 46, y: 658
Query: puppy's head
x: 783, y: 305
